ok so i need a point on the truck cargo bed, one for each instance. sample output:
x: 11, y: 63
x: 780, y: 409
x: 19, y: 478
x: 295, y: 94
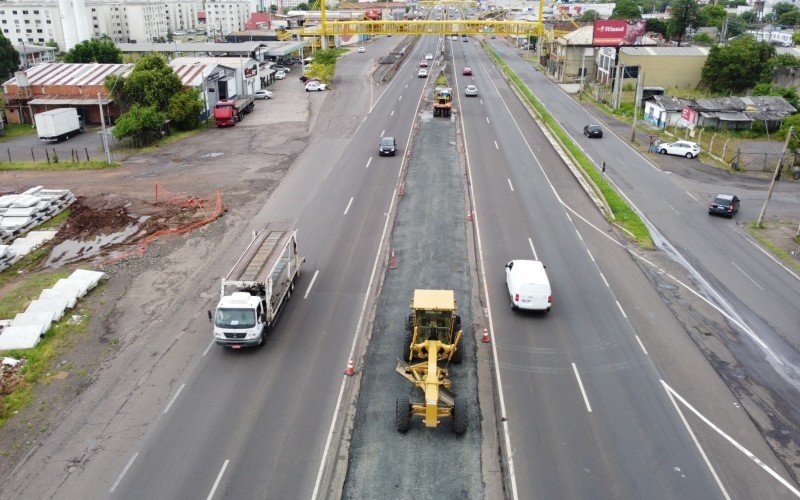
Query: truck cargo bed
x: 260, y: 259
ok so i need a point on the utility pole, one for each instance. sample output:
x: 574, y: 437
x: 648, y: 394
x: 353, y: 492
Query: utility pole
x: 103, y: 129
x: 775, y: 177
x: 637, y: 102
x: 583, y: 74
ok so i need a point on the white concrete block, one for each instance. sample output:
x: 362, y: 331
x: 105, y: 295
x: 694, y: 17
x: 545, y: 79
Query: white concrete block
x: 70, y: 296
x: 20, y: 337
x: 78, y: 288
x: 33, y: 318
x: 92, y: 278
x: 55, y: 306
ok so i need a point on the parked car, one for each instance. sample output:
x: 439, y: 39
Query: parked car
x: 492, y: 37
x: 680, y: 148
x: 285, y: 69
x: 471, y: 91
x: 593, y: 131
x: 724, y: 204
x: 280, y: 75
x: 429, y: 56
x: 314, y: 85
x: 387, y: 147
x: 467, y: 71
x: 423, y: 73
x: 454, y: 38
x: 464, y: 38
x: 362, y: 49
x: 423, y: 64
x: 263, y: 94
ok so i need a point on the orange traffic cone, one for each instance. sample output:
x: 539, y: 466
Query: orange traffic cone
x: 485, y: 338
x: 350, y: 370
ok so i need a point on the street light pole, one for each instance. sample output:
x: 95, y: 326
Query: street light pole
x: 103, y: 129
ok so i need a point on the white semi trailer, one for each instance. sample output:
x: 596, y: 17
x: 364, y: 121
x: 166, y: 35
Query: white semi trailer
x: 258, y: 286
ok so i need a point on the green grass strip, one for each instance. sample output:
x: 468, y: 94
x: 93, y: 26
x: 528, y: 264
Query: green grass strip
x: 62, y: 165
x: 624, y: 215
x: 14, y: 130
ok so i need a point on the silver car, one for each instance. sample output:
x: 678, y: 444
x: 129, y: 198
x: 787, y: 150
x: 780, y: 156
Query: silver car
x: 471, y: 91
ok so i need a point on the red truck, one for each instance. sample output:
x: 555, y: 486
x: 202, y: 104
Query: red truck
x: 229, y: 111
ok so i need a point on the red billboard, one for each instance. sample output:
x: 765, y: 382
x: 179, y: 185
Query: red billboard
x: 615, y: 32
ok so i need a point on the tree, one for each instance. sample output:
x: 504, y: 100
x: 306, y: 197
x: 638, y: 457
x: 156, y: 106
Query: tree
x: 782, y: 8
x: 791, y: 18
x: 655, y: 25
x: 94, y: 51
x: 185, y: 108
x: 141, y: 124
x: 626, y: 9
x: 151, y: 83
x: 684, y: 15
x: 796, y: 37
x: 588, y: 16
x: 703, y: 39
x: 302, y: 6
x: 9, y: 58
x: 774, y: 62
x: 737, y: 66
x: 712, y: 15
x: 273, y: 9
x: 749, y: 17
x: 170, y: 36
x: 322, y: 72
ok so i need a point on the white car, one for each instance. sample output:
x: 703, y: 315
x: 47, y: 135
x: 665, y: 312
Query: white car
x: 471, y: 91
x: 454, y: 38
x: 315, y: 86
x: 280, y: 75
x: 423, y: 73
x: 285, y: 69
x: 263, y: 94
x: 680, y: 148
x: 362, y: 49
x: 429, y: 56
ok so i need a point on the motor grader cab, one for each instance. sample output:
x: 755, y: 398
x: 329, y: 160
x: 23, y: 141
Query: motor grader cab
x: 433, y: 317
x: 442, y: 101
x: 433, y: 333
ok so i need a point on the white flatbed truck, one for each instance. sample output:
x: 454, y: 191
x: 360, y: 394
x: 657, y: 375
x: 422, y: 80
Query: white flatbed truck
x: 257, y: 287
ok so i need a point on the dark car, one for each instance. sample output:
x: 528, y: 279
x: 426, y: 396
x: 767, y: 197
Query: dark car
x: 387, y: 147
x: 593, y: 131
x: 724, y: 204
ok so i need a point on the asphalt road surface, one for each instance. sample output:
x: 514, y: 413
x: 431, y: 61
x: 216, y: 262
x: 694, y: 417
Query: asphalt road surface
x: 758, y: 293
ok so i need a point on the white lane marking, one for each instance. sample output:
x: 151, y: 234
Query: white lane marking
x: 369, y: 161
x: 583, y: 391
x: 481, y: 100
x: 570, y: 219
x: 313, y: 279
x: 400, y: 98
x: 691, y: 196
x: 496, y: 146
x: 348, y: 205
x: 621, y: 309
x: 641, y: 344
x: 579, y: 234
x: 722, y: 433
x: 674, y: 210
x: 604, y: 279
x: 406, y: 85
x: 216, y: 483
x: 670, y: 394
x: 208, y: 348
x: 509, y: 450
x: 530, y: 242
x: 174, y: 398
x: 590, y: 254
x: 747, y: 275
x: 509, y: 183
x: 487, y: 119
x: 772, y: 258
x: 392, y: 113
x: 382, y: 132
x: 122, y: 474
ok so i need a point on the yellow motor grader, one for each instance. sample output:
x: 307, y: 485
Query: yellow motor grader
x: 433, y: 333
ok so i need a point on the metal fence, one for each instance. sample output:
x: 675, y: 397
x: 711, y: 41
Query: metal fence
x: 50, y: 154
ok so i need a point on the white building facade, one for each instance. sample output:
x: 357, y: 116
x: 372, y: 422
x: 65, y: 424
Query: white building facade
x: 226, y: 16
x: 68, y: 22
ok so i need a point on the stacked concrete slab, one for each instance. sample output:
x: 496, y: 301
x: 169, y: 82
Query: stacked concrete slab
x: 25, y: 330
x: 22, y: 246
x: 20, y: 213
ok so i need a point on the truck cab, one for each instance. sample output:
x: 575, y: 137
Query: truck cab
x: 239, y: 320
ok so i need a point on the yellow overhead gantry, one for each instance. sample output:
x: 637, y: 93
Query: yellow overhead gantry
x: 422, y: 27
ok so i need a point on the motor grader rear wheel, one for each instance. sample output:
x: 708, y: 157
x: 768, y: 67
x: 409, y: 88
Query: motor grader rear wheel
x: 459, y: 416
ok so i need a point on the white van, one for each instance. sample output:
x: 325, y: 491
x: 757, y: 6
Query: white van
x: 528, y: 285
